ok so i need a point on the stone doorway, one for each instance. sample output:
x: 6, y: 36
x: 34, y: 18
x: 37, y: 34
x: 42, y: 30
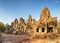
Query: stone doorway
x: 43, y: 29
x: 50, y: 29
x: 37, y: 30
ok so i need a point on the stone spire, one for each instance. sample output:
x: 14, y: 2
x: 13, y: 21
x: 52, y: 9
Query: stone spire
x: 12, y: 24
x: 29, y: 20
x: 22, y: 21
x: 45, y: 13
x: 15, y: 21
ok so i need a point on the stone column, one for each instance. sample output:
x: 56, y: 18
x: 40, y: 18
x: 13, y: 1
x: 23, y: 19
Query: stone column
x: 46, y: 27
x: 54, y: 29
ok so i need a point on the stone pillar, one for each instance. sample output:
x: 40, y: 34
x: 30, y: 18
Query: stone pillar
x: 46, y: 27
x: 40, y: 30
x: 54, y: 29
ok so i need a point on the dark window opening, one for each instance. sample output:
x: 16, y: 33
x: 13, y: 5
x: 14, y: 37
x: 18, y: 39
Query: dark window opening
x: 42, y: 29
x: 22, y: 26
x: 25, y: 30
x: 37, y: 30
x: 50, y: 29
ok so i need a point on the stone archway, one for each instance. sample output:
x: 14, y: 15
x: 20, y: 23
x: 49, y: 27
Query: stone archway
x: 43, y: 29
x: 37, y: 29
x: 50, y: 29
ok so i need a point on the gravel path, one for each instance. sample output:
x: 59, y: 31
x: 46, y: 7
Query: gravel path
x: 8, y: 38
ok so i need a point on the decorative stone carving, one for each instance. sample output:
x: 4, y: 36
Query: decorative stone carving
x: 45, y: 24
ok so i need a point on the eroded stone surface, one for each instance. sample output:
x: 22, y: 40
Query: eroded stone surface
x: 45, y: 24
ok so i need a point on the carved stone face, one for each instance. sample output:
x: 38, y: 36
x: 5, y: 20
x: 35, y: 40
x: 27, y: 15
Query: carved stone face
x: 45, y: 13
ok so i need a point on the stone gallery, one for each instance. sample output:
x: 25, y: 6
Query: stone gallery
x: 45, y: 24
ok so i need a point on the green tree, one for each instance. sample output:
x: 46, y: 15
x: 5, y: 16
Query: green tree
x: 2, y: 27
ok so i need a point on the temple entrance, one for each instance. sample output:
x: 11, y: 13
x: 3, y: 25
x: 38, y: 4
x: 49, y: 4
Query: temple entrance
x: 50, y: 29
x: 37, y: 30
x: 42, y: 29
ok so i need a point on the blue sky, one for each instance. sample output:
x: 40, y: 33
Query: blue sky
x: 11, y: 9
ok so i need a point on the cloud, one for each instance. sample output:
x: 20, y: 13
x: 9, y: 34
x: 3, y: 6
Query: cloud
x: 56, y: 1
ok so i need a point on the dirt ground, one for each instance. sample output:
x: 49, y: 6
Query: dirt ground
x: 8, y: 38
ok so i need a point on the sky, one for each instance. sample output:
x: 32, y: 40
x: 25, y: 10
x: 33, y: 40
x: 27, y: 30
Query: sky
x: 11, y: 9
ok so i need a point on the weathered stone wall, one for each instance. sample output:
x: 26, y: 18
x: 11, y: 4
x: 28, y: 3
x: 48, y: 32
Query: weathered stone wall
x: 45, y: 21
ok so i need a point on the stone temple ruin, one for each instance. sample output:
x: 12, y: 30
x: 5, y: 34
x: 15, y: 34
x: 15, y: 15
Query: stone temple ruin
x: 45, y: 24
